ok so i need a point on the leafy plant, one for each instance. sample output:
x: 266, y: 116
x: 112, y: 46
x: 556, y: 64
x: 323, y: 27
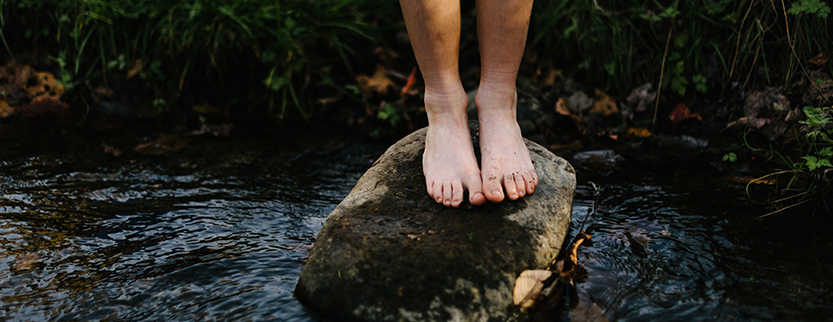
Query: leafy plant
x: 813, y: 7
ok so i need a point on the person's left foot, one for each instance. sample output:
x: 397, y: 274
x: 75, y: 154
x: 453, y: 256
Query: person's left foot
x: 505, y: 161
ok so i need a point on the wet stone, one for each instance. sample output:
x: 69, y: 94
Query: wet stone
x: 389, y: 252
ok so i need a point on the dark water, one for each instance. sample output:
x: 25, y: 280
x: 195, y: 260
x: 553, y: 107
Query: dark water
x: 220, y: 231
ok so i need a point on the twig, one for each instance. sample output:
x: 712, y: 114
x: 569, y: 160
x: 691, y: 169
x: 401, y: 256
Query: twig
x: 737, y: 45
x: 593, y: 209
x: 785, y: 208
x: 661, y: 74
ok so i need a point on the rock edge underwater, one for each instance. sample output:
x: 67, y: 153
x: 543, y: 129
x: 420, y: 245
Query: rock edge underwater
x: 389, y: 252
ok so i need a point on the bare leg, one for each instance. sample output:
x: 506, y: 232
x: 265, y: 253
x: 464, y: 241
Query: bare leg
x: 448, y: 162
x: 506, y: 165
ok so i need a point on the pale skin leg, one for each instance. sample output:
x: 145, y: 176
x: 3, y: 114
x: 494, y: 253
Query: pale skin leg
x: 506, y: 165
x: 448, y: 162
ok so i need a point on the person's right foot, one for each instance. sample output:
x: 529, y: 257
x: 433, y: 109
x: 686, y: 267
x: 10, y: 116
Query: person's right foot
x: 448, y: 162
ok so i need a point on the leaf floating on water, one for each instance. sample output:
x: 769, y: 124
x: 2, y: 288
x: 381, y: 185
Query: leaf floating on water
x: 528, y: 285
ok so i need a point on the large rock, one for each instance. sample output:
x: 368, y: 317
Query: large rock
x: 388, y: 252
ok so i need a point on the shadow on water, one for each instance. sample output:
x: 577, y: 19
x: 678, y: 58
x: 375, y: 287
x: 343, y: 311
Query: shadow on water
x: 221, y: 229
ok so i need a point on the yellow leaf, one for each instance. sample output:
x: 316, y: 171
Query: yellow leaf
x: 639, y: 132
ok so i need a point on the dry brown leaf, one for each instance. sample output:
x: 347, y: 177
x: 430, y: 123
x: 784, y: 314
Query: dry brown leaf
x: 753, y: 122
x: 379, y: 83
x: 528, y: 285
x: 45, y: 106
x: 549, y: 78
x: 110, y: 150
x: 561, y: 107
x: 133, y: 71
x: 5, y: 109
x: 681, y: 113
x: 46, y: 85
x: 164, y: 144
x: 604, y: 105
x: 819, y: 59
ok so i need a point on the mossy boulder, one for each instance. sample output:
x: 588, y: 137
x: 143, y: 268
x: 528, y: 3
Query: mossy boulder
x: 389, y: 252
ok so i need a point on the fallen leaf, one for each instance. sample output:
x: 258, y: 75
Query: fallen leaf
x: 379, y: 83
x: 572, y: 251
x: 528, y: 285
x: 604, y: 105
x: 561, y: 107
x: 819, y: 59
x: 642, y: 97
x: 752, y: 121
x: 549, y: 77
x: 639, y: 132
x: 45, y: 106
x: 682, y: 113
x: 133, y: 71
x: 767, y: 100
x: 46, y: 85
x: 110, y: 150
x: 164, y: 144
x: 5, y: 109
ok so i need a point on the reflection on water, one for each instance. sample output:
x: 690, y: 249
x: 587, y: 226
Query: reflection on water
x: 220, y: 231
x: 218, y: 234
x: 679, y: 244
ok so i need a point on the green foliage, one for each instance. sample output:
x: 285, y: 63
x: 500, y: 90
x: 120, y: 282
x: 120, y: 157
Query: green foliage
x: 815, y: 150
x: 731, y: 157
x: 813, y: 7
x: 286, y: 46
x: 700, y: 83
x: 618, y: 45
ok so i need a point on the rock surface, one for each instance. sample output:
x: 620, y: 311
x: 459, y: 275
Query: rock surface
x: 388, y: 252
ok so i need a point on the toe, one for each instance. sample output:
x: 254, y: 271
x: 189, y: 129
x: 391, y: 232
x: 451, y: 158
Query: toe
x: 475, y: 186
x: 492, y: 189
x: 509, y: 185
x: 531, y: 182
x: 447, y: 194
x: 437, y: 193
x: 456, y: 193
x: 520, y: 184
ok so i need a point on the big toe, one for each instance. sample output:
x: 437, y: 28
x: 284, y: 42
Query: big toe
x: 475, y: 188
x: 493, y: 189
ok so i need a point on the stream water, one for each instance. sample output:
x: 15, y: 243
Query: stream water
x: 220, y: 231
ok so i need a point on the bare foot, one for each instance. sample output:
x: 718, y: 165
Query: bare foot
x: 448, y: 162
x: 506, y: 165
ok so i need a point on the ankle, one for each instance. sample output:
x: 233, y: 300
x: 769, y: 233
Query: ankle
x: 443, y: 106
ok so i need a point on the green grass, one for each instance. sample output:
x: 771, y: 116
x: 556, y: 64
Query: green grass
x: 281, y: 46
